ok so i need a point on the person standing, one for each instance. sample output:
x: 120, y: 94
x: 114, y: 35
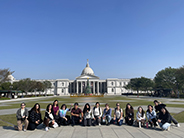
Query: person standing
x: 76, y: 115
x: 97, y: 114
x: 22, y: 117
x: 118, y: 115
x: 107, y: 115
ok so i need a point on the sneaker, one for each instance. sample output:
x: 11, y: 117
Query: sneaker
x: 25, y: 130
x: 99, y: 124
x: 178, y: 125
x: 46, y: 129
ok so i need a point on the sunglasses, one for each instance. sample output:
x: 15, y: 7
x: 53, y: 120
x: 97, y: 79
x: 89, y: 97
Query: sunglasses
x: 117, y: 105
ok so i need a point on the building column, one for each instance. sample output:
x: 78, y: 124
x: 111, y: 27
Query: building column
x: 104, y: 88
x: 100, y: 87
x: 74, y: 87
x: 77, y: 87
x: 97, y: 87
x: 70, y: 87
x: 93, y: 87
x: 81, y: 87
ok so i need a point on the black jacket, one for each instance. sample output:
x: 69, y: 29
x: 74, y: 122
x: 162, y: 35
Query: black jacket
x: 159, y: 107
x: 165, y: 118
x: 33, y: 117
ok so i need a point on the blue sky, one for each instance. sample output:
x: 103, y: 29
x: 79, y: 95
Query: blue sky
x: 52, y: 39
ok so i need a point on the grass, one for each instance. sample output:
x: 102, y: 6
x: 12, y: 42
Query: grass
x: 111, y: 100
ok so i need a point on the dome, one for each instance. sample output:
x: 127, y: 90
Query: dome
x: 87, y: 70
x: 10, y: 78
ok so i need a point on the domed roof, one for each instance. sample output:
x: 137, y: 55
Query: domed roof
x: 87, y: 70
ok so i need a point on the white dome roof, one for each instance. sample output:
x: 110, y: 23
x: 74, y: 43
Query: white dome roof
x: 87, y: 70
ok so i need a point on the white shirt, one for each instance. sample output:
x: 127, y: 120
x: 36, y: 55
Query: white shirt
x: 22, y: 112
x: 139, y: 116
x: 118, y: 113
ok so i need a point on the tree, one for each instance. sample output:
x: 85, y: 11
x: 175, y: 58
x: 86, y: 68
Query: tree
x: 46, y: 85
x: 135, y: 84
x: 146, y: 84
x: 25, y: 85
x: 180, y: 78
x: 166, y: 78
x: 4, y: 73
x: 5, y: 85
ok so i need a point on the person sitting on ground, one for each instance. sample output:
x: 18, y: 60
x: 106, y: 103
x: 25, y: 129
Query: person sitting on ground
x: 87, y: 115
x: 35, y: 118
x: 22, y: 116
x: 75, y: 115
x: 158, y: 106
x: 55, y: 108
x: 151, y: 116
x: 129, y: 115
x: 49, y: 118
x: 164, y: 119
x: 140, y: 117
x: 107, y: 115
x: 118, y: 115
x: 97, y: 114
x: 64, y: 119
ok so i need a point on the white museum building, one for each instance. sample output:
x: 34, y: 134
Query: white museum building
x: 110, y: 86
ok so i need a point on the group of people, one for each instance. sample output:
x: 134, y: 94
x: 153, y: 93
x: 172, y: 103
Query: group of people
x: 55, y: 117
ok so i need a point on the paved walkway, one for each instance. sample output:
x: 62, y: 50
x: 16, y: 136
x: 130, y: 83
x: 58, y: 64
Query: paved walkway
x: 111, y: 131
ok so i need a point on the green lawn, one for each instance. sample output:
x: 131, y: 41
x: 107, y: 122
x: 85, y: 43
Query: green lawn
x: 111, y: 100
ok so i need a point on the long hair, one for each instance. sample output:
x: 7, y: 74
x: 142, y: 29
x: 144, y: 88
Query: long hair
x: 63, y: 105
x: 34, y: 108
x: 47, y: 109
x: 142, y: 110
x: 85, y: 108
x: 127, y: 110
x: 54, y: 103
x: 148, y: 108
x: 166, y: 111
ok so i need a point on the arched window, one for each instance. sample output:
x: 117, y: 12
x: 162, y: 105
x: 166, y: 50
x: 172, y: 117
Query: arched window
x: 120, y: 83
x: 112, y: 89
x: 112, y: 83
x: 62, y: 91
x: 62, y: 83
x: 124, y: 83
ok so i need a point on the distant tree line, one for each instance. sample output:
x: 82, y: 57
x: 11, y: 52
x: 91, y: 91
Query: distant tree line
x: 24, y: 85
x: 166, y: 82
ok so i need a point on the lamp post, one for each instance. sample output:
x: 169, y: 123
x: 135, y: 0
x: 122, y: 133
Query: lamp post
x: 11, y: 87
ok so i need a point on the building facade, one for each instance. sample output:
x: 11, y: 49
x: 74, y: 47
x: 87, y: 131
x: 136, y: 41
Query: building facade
x: 66, y: 87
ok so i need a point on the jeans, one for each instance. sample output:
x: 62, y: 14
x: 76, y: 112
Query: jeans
x: 87, y: 122
x: 75, y: 120
x: 164, y: 126
x: 120, y: 122
x: 97, y: 120
x: 108, y: 118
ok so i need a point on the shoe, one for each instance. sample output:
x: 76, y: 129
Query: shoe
x: 108, y: 124
x: 46, y: 129
x: 99, y: 124
x: 25, y: 130
x: 168, y: 128
x: 178, y: 125
x: 157, y: 123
